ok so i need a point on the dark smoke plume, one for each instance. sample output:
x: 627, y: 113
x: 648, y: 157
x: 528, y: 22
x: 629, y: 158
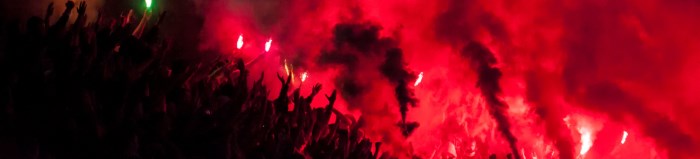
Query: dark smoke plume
x: 482, y: 60
x: 394, y: 68
x: 354, y: 45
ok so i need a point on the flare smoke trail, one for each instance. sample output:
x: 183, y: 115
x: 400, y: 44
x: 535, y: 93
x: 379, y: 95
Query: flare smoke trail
x: 355, y: 44
x: 394, y: 68
x: 482, y: 61
x: 370, y: 65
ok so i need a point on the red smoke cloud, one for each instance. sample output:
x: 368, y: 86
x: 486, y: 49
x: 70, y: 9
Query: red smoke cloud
x: 569, y: 69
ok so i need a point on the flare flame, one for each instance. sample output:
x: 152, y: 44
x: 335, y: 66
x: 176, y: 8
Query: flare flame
x: 239, y: 44
x: 624, y: 137
x: 267, y: 45
x: 420, y: 78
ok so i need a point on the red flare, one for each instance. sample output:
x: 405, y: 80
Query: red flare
x: 239, y: 44
x: 304, y: 76
x: 267, y: 45
x: 420, y: 78
x: 624, y: 137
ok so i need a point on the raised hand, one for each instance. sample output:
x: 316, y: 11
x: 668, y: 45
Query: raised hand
x: 70, y: 5
x: 82, y: 8
x: 331, y: 98
x: 316, y: 89
x: 280, y: 78
x: 49, y: 13
x: 49, y: 10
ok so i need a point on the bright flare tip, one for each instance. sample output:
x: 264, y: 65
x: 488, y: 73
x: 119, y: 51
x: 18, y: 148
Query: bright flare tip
x: 148, y: 3
x: 267, y: 45
x: 586, y: 140
x: 624, y: 137
x: 420, y: 78
x: 304, y: 76
x: 239, y: 44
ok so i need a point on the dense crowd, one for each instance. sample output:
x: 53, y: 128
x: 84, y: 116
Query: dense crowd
x: 108, y: 90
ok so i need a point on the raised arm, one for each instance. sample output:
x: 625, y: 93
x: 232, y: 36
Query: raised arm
x: 49, y: 13
x: 63, y: 20
x: 142, y: 24
x: 314, y: 91
x: 80, y: 21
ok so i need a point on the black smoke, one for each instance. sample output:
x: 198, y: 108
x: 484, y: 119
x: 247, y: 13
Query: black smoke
x: 356, y: 48
x: 482, y: 60
x: 394, y: 68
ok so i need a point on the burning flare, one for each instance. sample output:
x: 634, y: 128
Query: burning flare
x: 289, y: 69
x: 268, y: 44
x: 286, y: 67
x: 586, y: 140
x: 624, y: 137
x: 148, y: 3
x: 239, y: 44
x: 420, y: 78
x: 304, y: 76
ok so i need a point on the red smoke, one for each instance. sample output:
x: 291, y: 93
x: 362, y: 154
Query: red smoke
x: 573, y: 72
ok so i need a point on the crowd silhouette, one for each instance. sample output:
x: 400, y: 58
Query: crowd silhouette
x: 107, y: 90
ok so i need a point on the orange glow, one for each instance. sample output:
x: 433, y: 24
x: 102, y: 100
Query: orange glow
x: 286, y: 67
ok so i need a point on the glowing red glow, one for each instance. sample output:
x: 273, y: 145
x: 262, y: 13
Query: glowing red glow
x: 567, y: 75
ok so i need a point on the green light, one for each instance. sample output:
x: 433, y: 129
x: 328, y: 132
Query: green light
x: 148, y: 3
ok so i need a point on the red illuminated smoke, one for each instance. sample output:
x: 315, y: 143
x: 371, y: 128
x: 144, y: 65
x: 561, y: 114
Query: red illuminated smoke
x: 611, y: 66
